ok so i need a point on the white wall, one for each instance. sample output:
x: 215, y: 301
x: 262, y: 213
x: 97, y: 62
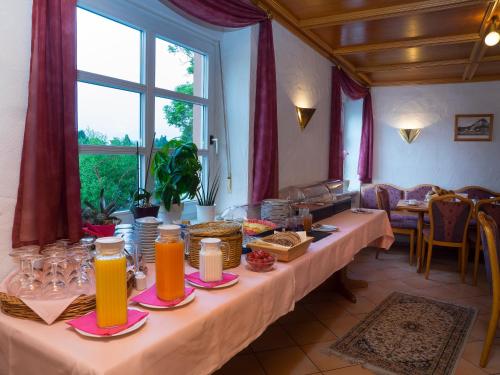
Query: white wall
x: 15, y: 39
x: 434, y: 157
x: 303, y: 79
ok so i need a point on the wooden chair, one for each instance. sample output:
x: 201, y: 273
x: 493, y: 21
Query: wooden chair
x: 449, y: 222
x: 491, y: 244
x: 492, y: 208
x: 405, y: 227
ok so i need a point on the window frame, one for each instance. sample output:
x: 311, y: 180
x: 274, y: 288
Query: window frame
x: 153, y: 25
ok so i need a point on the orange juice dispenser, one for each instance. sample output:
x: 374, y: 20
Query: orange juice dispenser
x: 169, y: 248
x: 111, y: 282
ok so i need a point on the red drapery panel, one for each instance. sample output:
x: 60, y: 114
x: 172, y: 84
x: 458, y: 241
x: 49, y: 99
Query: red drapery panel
x: 48, y: 199
x: 342, y: 82
x: 240, y: 13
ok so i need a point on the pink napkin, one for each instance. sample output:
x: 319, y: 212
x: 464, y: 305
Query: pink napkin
x: 88, y: 323
x: 226, y: 278
x: 149, y: 297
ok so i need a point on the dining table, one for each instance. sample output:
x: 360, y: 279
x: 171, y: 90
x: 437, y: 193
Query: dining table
x: 202, y: 335
x: 420, y: 208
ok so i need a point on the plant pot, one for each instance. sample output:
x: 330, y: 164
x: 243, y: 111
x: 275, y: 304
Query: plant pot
x: 139, y: 212
x: 205, y: 213
x: 107, y: 230
x: 174, y: 214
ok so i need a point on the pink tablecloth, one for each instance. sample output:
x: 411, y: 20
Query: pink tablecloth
x: 200, y: 337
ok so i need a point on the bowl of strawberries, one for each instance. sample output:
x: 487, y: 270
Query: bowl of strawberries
x: 260, y: 261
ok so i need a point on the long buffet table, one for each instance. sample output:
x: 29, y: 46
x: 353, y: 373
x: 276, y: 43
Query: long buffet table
x: 202, y: 336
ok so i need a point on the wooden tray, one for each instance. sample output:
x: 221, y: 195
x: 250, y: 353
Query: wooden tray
x: 282, y: 254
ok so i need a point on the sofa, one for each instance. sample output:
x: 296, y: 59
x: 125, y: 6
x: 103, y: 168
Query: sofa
x: 419, y: 192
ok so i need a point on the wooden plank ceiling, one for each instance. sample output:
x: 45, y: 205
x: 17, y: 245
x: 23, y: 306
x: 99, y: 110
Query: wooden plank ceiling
x: 394, y: 42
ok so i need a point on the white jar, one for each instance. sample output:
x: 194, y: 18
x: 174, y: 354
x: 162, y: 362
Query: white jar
x: 211, y: 259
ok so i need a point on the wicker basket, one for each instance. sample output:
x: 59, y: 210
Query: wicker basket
x: 229, y: 232
x: 13, y: 306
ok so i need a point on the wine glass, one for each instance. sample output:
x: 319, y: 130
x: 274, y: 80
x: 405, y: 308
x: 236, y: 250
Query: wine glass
x: 21, y: 276
x: 63, y: 243
x: 80, y: 282
x: 55, y: 287
x: 31, y: 284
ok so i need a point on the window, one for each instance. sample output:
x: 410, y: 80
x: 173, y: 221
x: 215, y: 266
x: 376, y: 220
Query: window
x: 134, y: 83
x: 352, y: 119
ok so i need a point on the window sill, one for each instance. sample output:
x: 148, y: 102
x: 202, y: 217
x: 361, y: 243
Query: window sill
x: 189, y: 213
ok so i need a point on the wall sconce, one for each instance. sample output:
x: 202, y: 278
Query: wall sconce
x: 304, y: 115
x: 409, y: 135
x: 493, y: 37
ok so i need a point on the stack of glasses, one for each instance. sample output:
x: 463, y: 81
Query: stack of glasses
x: 61, y: 270
x: 147, y: 230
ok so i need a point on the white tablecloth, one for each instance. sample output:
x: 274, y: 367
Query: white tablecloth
x: 202, y: 336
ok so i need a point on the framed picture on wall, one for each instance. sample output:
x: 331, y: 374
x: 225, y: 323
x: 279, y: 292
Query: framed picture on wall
x: 473, y: 127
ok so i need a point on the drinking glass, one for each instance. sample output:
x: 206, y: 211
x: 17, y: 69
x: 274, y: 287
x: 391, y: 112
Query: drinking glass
x: 21, y: 276
x: 54, y: 287
x: 63, y: 243
x: 30, y: 287
x: 307, y: 220
x: 294, y: 223
x: 80, y: 282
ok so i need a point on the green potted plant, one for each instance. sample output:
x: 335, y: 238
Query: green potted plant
x: 141, y: 205
x: 176, y: 169
x: 205, y: 209
x: 98, y: 220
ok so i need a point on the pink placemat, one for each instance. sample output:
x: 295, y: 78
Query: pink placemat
x: 226, y: 278
x: 149, y: 297
x: 88, y: 323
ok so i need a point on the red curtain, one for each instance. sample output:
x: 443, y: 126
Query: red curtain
x: 342, y: 82
x: 239, y: 13
x: 48, y: 199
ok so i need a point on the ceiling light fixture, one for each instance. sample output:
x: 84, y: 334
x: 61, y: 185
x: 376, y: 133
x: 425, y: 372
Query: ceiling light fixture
x: 493, y: 37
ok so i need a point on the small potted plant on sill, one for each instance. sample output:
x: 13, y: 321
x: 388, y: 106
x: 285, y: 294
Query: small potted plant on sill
x: 141, y: 205
x: 176, y: 169
x: 205, y: 209
x: 98, y: 220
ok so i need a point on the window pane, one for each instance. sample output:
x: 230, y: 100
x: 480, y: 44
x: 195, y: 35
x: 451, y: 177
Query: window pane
x: 117, y: 174
x: 178, y: 119
x: 108, y: 116
x: 179, y: 69
x: 107, y: 47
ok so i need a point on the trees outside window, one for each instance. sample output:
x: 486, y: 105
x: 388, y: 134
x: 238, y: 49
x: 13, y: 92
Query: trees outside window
x: 115, y: 117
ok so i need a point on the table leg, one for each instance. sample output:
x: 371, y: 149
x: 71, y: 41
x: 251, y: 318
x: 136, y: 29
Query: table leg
x: 342, y: 284
x: 420, y: 254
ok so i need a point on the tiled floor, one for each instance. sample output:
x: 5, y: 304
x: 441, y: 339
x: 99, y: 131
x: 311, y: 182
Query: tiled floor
x: 297, y: 343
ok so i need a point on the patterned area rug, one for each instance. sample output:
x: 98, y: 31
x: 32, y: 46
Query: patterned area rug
x: 409, y: 335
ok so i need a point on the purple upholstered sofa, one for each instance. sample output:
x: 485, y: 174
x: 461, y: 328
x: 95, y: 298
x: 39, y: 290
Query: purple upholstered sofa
x: 419, y: 192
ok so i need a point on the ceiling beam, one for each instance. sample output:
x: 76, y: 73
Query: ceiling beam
x: 416, y: 65
x: 480, y: 47
x: 386, y: 12
x: 283, y: 15
x: 419, y: 65
x: 434, y: 81
x: 491, y: 59
x: 407, y: 43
